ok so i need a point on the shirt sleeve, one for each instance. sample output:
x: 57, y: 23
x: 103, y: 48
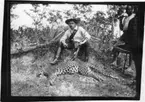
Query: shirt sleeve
x: 65, y: 36
x: 85, y: 33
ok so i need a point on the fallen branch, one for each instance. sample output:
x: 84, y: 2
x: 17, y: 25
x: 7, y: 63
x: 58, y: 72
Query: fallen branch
x: 43, y: 45
x: 38, y: 46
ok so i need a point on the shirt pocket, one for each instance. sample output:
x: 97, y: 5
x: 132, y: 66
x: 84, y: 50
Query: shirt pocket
x: 79, y: 37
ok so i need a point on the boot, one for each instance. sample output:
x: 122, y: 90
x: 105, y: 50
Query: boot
x: 57, y: 56
x: 54, y: 61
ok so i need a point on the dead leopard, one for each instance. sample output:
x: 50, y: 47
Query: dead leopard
x: 76, y: 66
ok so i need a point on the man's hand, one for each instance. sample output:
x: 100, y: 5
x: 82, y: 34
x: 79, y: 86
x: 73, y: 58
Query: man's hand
x: 81, y: 43
x: 65, y: 44
x: 84, y: 41
x: 76, y: 53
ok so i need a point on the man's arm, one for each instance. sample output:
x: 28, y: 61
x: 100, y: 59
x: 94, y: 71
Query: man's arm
x: 86, y: 35
x: 64, y: 37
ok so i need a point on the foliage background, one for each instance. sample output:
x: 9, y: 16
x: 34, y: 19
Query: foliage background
x: 47, y: 24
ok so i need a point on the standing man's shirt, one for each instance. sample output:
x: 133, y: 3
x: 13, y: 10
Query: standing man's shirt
x: 80, y: 35
x: 126, y: 23
x: 127, y: 20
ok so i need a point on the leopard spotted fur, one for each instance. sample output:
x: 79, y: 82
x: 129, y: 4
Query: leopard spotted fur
x: 80, y: 67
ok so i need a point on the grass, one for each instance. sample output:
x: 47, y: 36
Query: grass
x: 24, y: 80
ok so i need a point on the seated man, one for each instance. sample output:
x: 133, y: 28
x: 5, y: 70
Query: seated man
x: 75, y: 37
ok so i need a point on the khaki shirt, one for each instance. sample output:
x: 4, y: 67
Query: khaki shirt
x: 80, y: 35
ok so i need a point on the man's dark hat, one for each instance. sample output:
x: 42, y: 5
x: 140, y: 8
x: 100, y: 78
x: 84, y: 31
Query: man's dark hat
x: 76, y: 20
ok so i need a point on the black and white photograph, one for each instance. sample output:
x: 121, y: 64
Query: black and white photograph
x: 75, y: 49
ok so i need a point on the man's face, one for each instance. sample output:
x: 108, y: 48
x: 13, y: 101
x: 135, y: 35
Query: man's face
x: 129, y: 10
x: 72, y: 24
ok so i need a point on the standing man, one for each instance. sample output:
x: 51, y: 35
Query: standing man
x: 128, y: 25
x: 133, y: 39
x: 125, y: 24
x: 75, y: 37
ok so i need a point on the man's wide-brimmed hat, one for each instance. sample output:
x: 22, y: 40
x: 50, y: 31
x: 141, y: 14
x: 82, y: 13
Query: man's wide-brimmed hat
x: 76, y: 20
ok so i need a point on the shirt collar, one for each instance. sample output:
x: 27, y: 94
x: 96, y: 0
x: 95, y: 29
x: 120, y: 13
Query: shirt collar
x: 76, y: 28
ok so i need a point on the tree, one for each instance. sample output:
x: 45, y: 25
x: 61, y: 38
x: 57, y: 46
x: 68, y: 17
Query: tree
x: 37, y: 16
x: 112, y: 11
x: 12, y: 15
x: 83, y: 11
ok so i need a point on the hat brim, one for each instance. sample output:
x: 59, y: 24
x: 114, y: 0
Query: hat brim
x: 69, y: 20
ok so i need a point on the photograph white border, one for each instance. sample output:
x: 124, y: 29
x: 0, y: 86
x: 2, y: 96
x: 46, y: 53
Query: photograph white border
x: 142, y: 97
